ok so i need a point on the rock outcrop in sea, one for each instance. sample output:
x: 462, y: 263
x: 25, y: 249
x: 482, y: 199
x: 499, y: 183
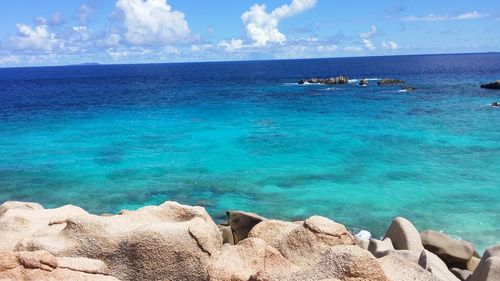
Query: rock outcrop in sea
x: 178, y: 242
x: 327, y: 81
x: 390, y: 81
x: 492, y: 86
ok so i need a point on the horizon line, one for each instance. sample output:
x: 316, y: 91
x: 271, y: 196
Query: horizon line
x: 247, y: 60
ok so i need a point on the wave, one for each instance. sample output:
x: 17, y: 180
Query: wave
x: 369, y: 79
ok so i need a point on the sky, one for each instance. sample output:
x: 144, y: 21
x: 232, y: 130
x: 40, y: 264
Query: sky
x: 54, y: 32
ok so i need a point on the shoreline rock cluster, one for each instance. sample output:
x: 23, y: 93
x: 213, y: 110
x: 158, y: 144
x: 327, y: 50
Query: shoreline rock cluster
x: 178, y: 242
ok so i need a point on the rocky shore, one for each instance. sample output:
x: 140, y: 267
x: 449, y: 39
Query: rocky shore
x: 178, y: 242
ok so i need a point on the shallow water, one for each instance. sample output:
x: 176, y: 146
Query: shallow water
x: 243, y: 135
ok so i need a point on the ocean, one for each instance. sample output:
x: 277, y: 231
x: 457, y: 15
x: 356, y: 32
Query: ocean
x: 246, y: 136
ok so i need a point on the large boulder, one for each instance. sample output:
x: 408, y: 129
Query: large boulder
x: 404, y: 235
x: 241, y: 223
x: 434, y: 264
x: 399, y: 268
x: 343, y: 262
x: 19, y: 220
x: 492, y: 86
x: 303, y: 243
x: 489, y: 266
x: 166, y: 242
x: 41, y: 266
x: 455, y: 253
x: 247, y: 258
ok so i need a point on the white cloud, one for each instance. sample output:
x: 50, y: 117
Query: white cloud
x: 196, y: 48
x: 82, y: 32
x: 368, y: 44
x: 469, y: 16
x: 231, y: 46
x: 433, y: 17
x: 34, y: 38
x: 390, y: 45
x: 153, y: 22
x: 112, y: 40
x: 430, y: 17
x: 116, y: 54
x: 9, y: 60
x: 327, y: 48
x: 84, y: 13
x: 262, y: 27
x: 369, y: 34
x: 353, y: 49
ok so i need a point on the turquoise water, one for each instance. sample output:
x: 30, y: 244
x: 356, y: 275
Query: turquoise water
x: 243, y: 136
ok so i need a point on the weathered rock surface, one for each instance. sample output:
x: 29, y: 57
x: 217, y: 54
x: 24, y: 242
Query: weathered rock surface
x: 489, y: 266
x: 461, y: 274
x: 41, y: 265
x: 303, y: 243
x: 398, y: 268
x: 343, y: 262
x: 328, y: 81
x: 390, y: 81
x: 455, y: 253
x: 492, y: 86
x: 404, y: 235
x: 379, y: 248
x: 227, y: 234
x: 20, y: 220
x: 241, y: 223
x: 166, y: 242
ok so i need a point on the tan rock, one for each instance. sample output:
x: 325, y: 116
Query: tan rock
x: 227, y: 234
x: 489, y: 266
x: 453, y: 252
x: 344, y: 262
x: 19, y: 205
x: 398, y: 268
x: 247, y: 258
x: 241, y: 223
x: 41, y: 266
x: 166, y: 242
x: 379, y: 248
x: 434, y: 264
x: 22, y: 220
x: 472, y: 263
x: 404, y: 235
x: 83, y: 265
x: 304, y: 243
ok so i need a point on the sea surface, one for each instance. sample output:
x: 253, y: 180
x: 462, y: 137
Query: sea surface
x: 246, y: 136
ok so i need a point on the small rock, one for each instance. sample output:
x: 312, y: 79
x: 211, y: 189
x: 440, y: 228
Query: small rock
x: 363, y: 82
x: 455, y: 253
x: 241, y: 223
x: 404, y: 235
x: 472, y: 263
x: 492, y: 86
x: 494, y: 104
x: 389, y: 81
x: 379, y: 248
x: 227, y: 234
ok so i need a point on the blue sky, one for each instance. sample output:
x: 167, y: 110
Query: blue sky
x: 54, y: 32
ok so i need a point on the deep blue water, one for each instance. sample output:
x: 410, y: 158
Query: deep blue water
x: 243, y: 135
